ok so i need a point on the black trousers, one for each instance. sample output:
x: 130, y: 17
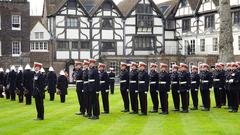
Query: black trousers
x: 62, y: 98
x: 1, y: 91
x: 164, y: 101
x: 143, y: 101
x: 134, y: 100
x: 205, y: 93
x: 12, y: 95
x: 125, y: 98
x: 154, y: 97
x: 105, y: 100
x: 88, y: 103
x: 28, y: 99
x: 229, y: 98
x: 111, y: 84
x: 7, y: 94
x: 20, y: 98
x: 39, y: 106
x: 81, y: 101
x: 94, y: 104
x: 52, y: 96
x: 223, y: 96
x: 194, y: 94
x: 217, y: 95
x: 184, y: 99
x: 235, y: 99
x: 176, y: 98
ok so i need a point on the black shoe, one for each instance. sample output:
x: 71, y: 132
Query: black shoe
x: 143, y: 114
x: 133, y: 113
x: 37, y: 119
x: 164, y: 113
x: 94, y: 118
x: 87, y: 116
x: 184, y: 111
x: 194, y: 108
x: 205, y: 109
x: 153, y: 111
x: 105, y: 113
x: 79, y: 113
x: 125, y: 111
x: 175, y: 110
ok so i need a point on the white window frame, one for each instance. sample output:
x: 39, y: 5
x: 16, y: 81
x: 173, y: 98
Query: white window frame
x: 19, y: 22
x: 202, y: 46
x: 35, y: 46
x: 19, y: 47
x: 39, y: 35
x: 215, y: 44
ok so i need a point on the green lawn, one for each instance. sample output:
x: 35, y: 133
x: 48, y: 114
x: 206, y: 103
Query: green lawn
x: 17, y: 119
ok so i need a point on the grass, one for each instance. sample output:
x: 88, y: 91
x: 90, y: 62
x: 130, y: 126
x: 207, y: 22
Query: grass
x: 18, y: 118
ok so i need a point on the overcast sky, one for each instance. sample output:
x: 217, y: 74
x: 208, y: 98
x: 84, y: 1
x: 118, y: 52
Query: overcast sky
x: 37, y: 5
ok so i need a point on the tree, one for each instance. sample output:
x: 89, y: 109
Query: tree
x: 225, y: 35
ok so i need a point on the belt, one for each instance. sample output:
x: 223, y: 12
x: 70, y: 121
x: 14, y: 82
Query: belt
x: 193, y: 82
x: 91, y: 80
x: 152, y: 82
x: 85, y: 82
x: 162, y: 82
x: 112, y: 78
x: 78, y: 81
x: 101, y: 82
x: 123, y: 81
x: 141, y: 82
x: 174, y: 82
x: 183, y: 82
x: 133, y: 81
x: 205, y: 81
x: 216, y: 80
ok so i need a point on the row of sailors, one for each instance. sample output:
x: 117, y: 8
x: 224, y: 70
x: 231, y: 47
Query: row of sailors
x: 136, y: 83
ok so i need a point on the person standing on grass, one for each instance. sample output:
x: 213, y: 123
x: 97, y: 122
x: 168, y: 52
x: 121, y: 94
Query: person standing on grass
x: 175, y: 87
x: 205, y: 87
x: 143, y: 84
x: 218, y: 84
x: 111, y: 75
x: 51, y: 83
x: 42, y: 70
x: 228, y: 75
x: 133, y: 87
x: 184, y: 86
x: 234, y: 82
x: 28, y: 76
x: 78, y: 75
x: 38, y: 90
x: 94, y: 84
x: 154, y: 87
x: 1, y: 82
x: 12, y: 79
x: 62, y: 86
x: 124, y: 85
x: 20, y: 84
x: 104, y: 87
x: 195, y: 82
x: 87, y: 94
x: 164, y: 87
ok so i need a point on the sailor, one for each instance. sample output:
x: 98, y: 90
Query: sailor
x: 111, y: 75
x: 195, y: 82
x: 154, y: 87
x: 133, y: 87
x: 175, y: 87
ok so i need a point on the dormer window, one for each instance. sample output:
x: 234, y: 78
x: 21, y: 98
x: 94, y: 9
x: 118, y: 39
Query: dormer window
x: 144, y: 16
x: 184, y: 3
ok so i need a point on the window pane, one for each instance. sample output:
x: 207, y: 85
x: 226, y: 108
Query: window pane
x: 75, y: 45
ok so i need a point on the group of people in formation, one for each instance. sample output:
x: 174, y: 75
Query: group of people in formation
x: 135, y: 82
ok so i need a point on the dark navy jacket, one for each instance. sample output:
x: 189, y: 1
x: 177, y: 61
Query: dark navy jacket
x: 174, y: 81
x: 28, y: 80
x: 12, y: 79
x: 218, y: 79
x: 164, y: 81
x: 154, y: 79
x: 51, y: 82
x: 206, y: 80
x: 62, y: 84
x: 104, y: 80
x: 195, y: 81
x: 38, y: 85
x: 93, y: 79
x: 124, y: 79
x: 184, y: 81
x: 20, y: 81
x: 133, y: 80
x: 143, y: 81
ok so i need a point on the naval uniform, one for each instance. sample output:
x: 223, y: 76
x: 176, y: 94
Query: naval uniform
x: 28, y: 76
x: 87, y: 94
x: 133, y: 88
x: 104, y: 88
x: 184, y: 83
x: 154, y: 87
x: 51, y: 83
x: 195, y: 83
x: 80, y: 93
x: 6, y: 85
x: 62, y: 85
x: 20, y: 86
x: 12, y: 79
x: 111, y: 81
x: 234, y: 82
x: 218, y: 84
x: 175, y: 90
x: 124, y: 86
x: 227, y: 90
x: 143, y: 83
x: 164, y: 88
x: 1, y: 84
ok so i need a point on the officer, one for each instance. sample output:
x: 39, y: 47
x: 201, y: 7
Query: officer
x: 104, y: 87
x: 1, y: 82
x: 154, y: 87
x: 6, y: 84
x: 62, y: 85
x: 133, y: 87
x: 94, y: 84
x: 164, y: 87
x: 184, y: 83
x: 111, y: 75
x: 228, y: 75
x: 223, y: 91
x: 78, y: 75
x: 234, y: 82
x: 143, y: 83
x: 51, y: 83
x: 12, y: 79
x: 175, y: 87
x: 19, y: 84
x: 195, y: 82
x: 218, y: 84
x: 38, y: 90
x: 205, y: 86
x: 28, y: 76
x: 87, y: 94
x: 124, y: 86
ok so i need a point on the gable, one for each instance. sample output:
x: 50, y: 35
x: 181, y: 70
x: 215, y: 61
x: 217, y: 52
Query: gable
x: 40, y: 28
x: 186, y: 7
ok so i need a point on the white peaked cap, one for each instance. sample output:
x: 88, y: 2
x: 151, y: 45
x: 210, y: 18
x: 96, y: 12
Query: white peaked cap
x: 7, y: 71
x: 12, y: 68
x: 42, y: 70
x: 62, y: 72
x: 27, y: 67
x: 20, y: 68
x: 1, y: 70
x: 51, y: 69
